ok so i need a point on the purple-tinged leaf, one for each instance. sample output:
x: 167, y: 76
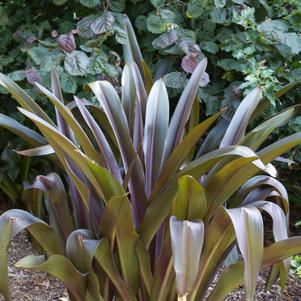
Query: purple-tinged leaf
x: 43, y: 150
x: 189, y: 63
x: 166, y: 39
x: 57, y: 203
x: 187, y: 242
x: 103, y: 23
x: 131, y: 48
x: 140, y: 87
x: 22, y: 97
x: 101, y: 140
x: 66, y: 42
x: 248, y: 225
x: 79, y: 133
x: 138, y: 132
x: 179, y: 154
x: 237, y: 127
x: 190, y: 48
x: 128, y: 95
x: 33, y: 76
x: 61, y: 122
x: 182, y: 112
x: 155, y: 130
x: 110, y: 102
x: 27, y: 134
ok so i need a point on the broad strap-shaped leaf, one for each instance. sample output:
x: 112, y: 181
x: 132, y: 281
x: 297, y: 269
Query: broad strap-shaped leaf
x: 179, y: 154
x: 101, y: 140
x: 59, y: 142
x: 287, y: 88
x: 237, y: 127
x: 43, y: 150
x: 62, y: 125
x: 139, y: 87
x: 159, y: 208
x: 155, y: 130
x: 13, y: 222
x: 23, y: 98
x: 111, y: 104
x: 219, y: 239
x: 187, y: 242
x: 131, y: 49
x: 138, y: 132
x: 80, y: 134
x: 103, y: 256
x: 182, y: 112
x: 190, y: 202
x: 261, y: 181
x: 27, y: 134
x: 214, y: 137
x: 259, y: 134
x: 82, y: 258
x: 248, y: 227
x: 128, y: 95
x: 234, y: 274
x: 116, y: 224
x: 57, y: 203
x: 144, y: 264
x: 221, y: 185
x: 61, y: 268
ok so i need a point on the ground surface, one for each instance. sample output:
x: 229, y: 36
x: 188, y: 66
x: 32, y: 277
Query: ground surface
x: 29, y: 285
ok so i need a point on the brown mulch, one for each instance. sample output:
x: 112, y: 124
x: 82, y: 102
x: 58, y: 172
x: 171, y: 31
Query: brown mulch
x: 31, y: 285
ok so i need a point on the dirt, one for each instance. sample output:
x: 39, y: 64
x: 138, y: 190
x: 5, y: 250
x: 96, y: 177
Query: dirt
x: 31, y: 285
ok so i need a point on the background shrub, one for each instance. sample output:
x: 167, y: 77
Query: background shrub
x: 248, y: 43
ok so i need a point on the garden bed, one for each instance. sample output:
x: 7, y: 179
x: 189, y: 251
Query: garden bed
x: 29, y: 285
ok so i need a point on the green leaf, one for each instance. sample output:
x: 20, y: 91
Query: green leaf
x: 175, y: 80
x: 103, y: 256
x: 84, y: 27
x: 76, y: 63
x: 59, y: 2
x: 117, y: 5
x: 23, y: 98
x: 68, y: 83
x: 272, y: 254
x: 27, y: 134
x: 117, y: 225
x: 61, y: 268
x: 17, y: 75
x: 89, y: 3
x: 13, y: 222
x: 190, y: 202
x: 79, y: 133
x: 158, y: 3
x: 103, y: 23
x: 57, y: 202
x: 38, y: 54
x: 156, y: 24
x: 195, y: 9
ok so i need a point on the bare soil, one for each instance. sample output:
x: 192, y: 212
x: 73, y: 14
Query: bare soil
x: 31, y: 285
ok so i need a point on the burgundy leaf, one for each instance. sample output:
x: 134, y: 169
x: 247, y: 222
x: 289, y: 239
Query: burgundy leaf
x: 33, y: 76
x: 189, y: 63
x: 66, y: 42
x: 166, y: 39
x: 189, y: 47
